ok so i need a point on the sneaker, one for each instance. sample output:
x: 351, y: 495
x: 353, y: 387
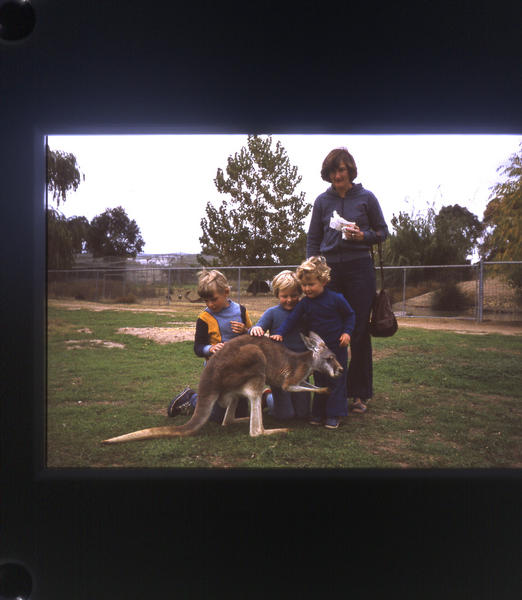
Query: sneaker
x: 359, y: 407
x: 181, y: 403
x: 315, y: 421
x: 332, y: 423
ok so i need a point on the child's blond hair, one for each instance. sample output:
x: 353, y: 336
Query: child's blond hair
x: 211, y: 283
x: 315, y: 266
x: 286, y: 280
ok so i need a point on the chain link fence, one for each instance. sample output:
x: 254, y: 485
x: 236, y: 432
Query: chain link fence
x: 486, y: 290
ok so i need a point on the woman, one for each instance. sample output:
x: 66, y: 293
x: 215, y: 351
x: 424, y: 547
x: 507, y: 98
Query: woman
x: 347, y: 252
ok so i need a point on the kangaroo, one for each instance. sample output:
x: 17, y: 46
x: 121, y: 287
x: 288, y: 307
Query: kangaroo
x: 244, y: 367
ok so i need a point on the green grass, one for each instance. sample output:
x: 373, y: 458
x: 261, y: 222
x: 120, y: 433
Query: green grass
x: 441, y: 400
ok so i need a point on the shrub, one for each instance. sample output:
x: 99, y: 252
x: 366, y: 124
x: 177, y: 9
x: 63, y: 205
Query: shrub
x: 450, y: 297
x: 128, y: 299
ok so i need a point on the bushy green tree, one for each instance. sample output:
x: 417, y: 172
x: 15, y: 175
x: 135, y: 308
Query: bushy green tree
x: 411, y: 242
x: 261, y: 219
x: 503, y: 219
x: 457, y: 231
x: 113, y: 234
x: 503, y: 214
x: 443, y: 238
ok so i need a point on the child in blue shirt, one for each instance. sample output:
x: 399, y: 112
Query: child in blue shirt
x: 286, y: 287
x: 328, y: 314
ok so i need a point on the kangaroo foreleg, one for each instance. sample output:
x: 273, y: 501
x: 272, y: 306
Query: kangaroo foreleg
x: 305, y: 386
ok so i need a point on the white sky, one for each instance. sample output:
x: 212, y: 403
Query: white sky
x: 165, y: 181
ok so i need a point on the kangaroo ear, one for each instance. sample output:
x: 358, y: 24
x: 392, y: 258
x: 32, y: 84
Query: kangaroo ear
x: 313, y: 341
x: 316, y: 339
x: 307, y: 341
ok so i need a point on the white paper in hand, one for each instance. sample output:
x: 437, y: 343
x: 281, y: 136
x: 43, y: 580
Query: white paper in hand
x: 338, y: 223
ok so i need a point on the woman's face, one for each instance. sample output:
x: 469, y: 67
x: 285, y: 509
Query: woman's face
x: 340, y: 177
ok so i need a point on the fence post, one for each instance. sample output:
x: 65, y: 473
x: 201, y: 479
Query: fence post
x: 239, y: 285
x: 404, y: 292
x: 480, y: 299
x: 168, y: 287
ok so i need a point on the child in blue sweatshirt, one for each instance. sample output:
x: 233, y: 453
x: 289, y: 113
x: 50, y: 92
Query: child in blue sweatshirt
x: 328, y: 314
x: 286, y: 287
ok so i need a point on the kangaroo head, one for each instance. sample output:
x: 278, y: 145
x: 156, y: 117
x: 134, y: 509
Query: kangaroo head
x: 323, y: 359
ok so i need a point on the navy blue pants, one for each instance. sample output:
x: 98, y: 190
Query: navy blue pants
x: 355, y: 280
x: 333, y: 404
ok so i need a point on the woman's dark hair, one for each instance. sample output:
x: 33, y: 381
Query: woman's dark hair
x: 333, y: 160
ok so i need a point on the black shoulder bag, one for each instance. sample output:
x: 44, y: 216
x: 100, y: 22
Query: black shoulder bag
x: 382, y: 320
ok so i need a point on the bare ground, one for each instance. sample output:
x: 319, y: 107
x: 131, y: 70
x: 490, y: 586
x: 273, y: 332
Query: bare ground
x: 180, y: 332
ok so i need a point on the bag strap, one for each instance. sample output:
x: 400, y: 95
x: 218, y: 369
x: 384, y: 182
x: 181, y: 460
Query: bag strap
x: 379, y: 246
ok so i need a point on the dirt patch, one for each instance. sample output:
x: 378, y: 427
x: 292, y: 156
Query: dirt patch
x: 98, y: 307
x: 383, y: 353
x: 256, y: 306
x: 161, y: 335
x: 81, y: 344
x: 498, y: 295
x: 463, y: 325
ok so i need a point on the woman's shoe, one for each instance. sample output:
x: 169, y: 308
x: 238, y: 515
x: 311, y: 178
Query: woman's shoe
x: 315, y: 421
x: 359, y: 407
x: 332, y: 423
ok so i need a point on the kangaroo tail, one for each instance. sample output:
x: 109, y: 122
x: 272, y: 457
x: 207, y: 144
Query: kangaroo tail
x: 199, y: 418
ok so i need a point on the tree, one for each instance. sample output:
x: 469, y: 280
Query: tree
x: 411, y: 242
x: 502, y: 216
x: 63, y: 174
x: 503, y: 220
x: 261, y: 220
x: 434, y: 239
x: 79, y: 230
x: 457, y: 231
x: 113, y: 234
x: 60, y: 253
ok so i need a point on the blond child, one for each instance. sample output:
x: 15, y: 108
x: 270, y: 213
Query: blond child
x: 328, y: 314
x: 287, y: 289
x: 222, y: 320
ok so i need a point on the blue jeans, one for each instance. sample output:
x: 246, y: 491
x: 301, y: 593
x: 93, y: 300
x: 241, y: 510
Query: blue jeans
x: 287, y: 405
x: 355, y: 280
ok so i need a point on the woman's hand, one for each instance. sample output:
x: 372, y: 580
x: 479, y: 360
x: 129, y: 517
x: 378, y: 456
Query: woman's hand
x: 276, y: 338
x: 344, y: 340
x: 353, y: 234
x: 257, y: 331
x: 238, y: 326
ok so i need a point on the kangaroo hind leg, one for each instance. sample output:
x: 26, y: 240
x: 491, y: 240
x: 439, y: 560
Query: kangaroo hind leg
x: 253, y: 393
x: 230, y: 413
